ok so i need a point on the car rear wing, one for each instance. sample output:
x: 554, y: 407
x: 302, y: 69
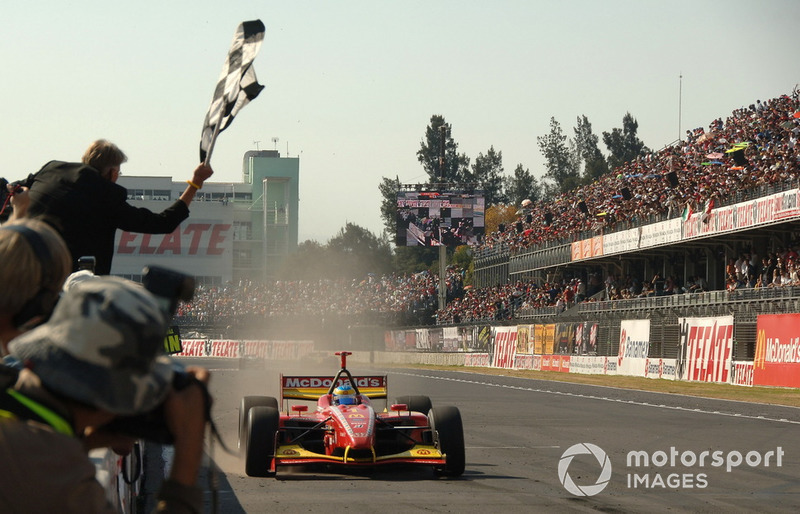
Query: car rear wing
x: 311, y: 388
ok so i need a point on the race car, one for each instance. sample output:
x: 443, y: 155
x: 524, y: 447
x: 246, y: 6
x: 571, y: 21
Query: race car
x: 346, y: 430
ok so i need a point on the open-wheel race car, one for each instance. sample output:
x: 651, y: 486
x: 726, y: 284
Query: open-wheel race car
x: 346, y: 430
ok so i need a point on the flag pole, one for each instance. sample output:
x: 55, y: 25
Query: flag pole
x: 207, y: 160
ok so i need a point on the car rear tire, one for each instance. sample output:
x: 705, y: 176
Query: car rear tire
x: 416, y: 403
x: 261, y: 429
x: 449, y: 434
x: 248, y: 402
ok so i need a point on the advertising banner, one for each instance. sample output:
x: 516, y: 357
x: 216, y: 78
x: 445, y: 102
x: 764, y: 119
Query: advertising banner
x: 505, y: 347
x: 777, y: 360
x: 538, y: 339
x: 565, y: 338
x: 423, y: 339
x: 706, y: 348
x: 634, y: 346
x: 450, y: 339
x: 524, y: 339
x: 549, y: 338
x: 201, y: 246
x: 742, y: 373
x: 192, y: 348
x: 478, y: 360
x: 661, y: 368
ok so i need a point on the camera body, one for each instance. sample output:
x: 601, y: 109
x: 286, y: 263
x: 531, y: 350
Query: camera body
x: 169, y: 287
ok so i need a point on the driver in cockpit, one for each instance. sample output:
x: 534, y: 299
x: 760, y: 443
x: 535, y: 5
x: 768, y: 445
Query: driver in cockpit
x: 344, y: 395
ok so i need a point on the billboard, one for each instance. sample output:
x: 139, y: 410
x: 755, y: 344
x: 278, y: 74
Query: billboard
x: 439, y: 218
x: 777, y: 360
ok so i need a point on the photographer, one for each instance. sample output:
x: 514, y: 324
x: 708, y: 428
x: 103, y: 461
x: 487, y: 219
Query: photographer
x: 35, y: 263
x: 98, y: 358
x: 83, y: 202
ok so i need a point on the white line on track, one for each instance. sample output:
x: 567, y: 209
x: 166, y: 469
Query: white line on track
x: 593, y: 397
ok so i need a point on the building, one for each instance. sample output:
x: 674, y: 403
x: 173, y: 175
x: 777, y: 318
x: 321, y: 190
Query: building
x: 242, y: 230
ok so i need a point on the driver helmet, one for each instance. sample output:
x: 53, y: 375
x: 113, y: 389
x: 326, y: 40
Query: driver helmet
x: 344, y: 395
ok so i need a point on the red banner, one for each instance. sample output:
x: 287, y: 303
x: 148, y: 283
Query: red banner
x: 777, y: 359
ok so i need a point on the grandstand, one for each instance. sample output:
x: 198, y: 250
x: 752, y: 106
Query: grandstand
x: 652, y: 240
x: 663, y: 220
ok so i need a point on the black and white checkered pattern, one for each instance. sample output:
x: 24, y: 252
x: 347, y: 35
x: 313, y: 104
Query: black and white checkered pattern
x: 237, y: 84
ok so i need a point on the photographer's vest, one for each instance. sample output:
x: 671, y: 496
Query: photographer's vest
x: 15, y: 405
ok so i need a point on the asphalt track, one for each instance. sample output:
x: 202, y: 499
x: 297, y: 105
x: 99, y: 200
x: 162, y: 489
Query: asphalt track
x: 517, y: 431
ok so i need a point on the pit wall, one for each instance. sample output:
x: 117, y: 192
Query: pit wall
x: 704, y: 349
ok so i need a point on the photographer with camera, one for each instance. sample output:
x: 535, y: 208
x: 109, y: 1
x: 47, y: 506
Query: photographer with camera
x: 98, y: 359
x: 86, y: 205
x: 35, y: 263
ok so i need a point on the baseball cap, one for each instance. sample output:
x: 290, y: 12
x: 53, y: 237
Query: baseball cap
x: 103, y: 346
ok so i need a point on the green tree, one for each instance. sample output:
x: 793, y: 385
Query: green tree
x: 560, y: 161
x: 462, y: 258
x: 586, y: 142
x: 311, y: 261
x: 487, y: 175
x: 408, y: 259
x: 359, y: 252
x: 389, y: 189
x: 454, y: 168
x: 522, y: 185
x: 623, y: 144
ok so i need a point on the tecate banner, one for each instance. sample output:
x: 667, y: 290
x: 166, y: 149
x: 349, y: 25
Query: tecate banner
x: 706, y: 348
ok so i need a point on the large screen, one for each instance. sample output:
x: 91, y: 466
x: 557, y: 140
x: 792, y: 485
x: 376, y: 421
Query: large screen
x: 436, y: 218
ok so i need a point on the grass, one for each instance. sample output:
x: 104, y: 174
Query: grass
x: 764, y: 395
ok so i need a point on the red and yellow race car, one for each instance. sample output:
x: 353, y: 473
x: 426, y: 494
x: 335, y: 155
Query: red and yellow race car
x: 345, y: 429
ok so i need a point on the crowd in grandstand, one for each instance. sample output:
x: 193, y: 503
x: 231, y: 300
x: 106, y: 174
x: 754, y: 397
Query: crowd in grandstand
x: 392, y: 294
x: 705, y: 169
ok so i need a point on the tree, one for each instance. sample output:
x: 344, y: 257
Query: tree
x: 487, y: 174
x: 560, y: 162
x: 438, y: 135
x: 412, y: 259
x: 389, y: 189
x: 522, y: 185
x: 497, y: 214
x: 623, y: 144
x: 309, y: 262
x: 360, y: 252
x: 594, y: 164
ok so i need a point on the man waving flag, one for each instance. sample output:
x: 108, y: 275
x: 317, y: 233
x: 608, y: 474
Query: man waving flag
x: 237, y: 84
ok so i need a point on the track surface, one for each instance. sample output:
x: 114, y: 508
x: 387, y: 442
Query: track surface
x: 517, y: 431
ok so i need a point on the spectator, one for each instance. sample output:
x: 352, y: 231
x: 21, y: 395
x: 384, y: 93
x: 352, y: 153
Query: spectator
x: 99, y: 357
x: 35, y: 263
x: 84, y: 203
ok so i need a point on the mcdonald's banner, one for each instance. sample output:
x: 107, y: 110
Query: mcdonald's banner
x: 777, y: 359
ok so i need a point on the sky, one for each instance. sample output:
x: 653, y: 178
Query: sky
x: 350, y: 86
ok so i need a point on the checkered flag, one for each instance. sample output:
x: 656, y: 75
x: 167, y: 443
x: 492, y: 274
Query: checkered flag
x: 237, y: 84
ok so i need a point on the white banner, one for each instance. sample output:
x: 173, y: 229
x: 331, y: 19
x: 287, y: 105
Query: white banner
x: 505, y: 347
x: 661, y: 368
x: 201, y: 246
x: 706, y: 348
x: 634, y: 346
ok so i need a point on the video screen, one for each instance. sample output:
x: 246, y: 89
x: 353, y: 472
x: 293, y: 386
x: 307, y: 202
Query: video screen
x: 436, y: 218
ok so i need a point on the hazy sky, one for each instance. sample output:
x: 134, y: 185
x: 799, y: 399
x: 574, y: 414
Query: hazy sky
x: 352, y: 85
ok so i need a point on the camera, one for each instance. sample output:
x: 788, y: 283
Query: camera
x: 169, y: 287
x: 5, y: 198
x: 86, y: 263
